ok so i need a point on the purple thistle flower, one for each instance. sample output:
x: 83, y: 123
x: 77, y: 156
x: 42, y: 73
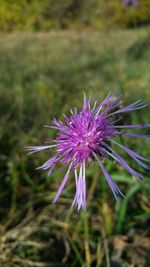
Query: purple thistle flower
x: 89, y: 135
x: 127, y: 3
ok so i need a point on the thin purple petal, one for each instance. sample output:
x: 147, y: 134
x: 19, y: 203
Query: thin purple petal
x: 61, y: 187
x: 34, y: 149
x: 122, y: 162
x: 132, y: 126
x: 133, y: 155
x: 49, y: 164
x: 80, y: 196
x: 146, y: 137
x: 134, y: 106
x: 115, y: 189
x: 127, y: 167
x: 115, y: 103
x: 103, y: 103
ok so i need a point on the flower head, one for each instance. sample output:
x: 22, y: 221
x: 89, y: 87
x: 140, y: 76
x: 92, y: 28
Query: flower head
x: 127, y: 3
x: 90, y: 135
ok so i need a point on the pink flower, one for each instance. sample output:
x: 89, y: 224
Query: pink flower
x: 90, y: 135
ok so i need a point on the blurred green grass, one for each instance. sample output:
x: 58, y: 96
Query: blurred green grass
x: 43, y: 75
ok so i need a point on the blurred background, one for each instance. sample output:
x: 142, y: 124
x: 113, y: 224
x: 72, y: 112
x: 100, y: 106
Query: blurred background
x: 50, y: 52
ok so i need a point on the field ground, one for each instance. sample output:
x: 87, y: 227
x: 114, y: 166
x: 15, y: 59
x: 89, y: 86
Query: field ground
x: 43, y: 75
